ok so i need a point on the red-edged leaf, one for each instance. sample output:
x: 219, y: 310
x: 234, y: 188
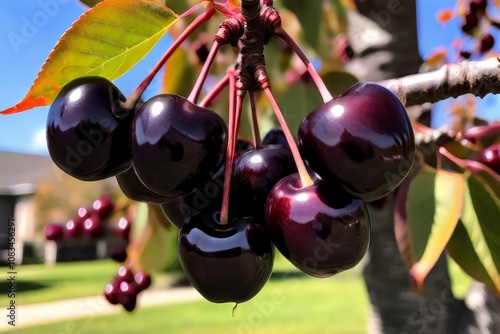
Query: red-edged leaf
x: 435, y: 201
x: 107, y: 40
x: 402, y: 230
x: 475, y: 245
x: 227, y: 7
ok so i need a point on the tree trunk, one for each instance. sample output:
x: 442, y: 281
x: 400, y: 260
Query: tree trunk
x: 383, y: 35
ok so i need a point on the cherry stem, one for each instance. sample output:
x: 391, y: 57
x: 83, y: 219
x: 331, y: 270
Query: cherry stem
x: 195, y: 93
x: 301, y: 167
x: 257, y: 141
x: 320, y: 84
x: 137, y: 93
x: 215, y: 91
x: 224, y: 216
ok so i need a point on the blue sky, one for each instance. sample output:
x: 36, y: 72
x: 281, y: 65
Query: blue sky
x: 30, y: 28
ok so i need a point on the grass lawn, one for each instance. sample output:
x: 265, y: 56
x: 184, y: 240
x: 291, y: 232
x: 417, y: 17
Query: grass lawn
x: 41, y: 283
x: 289, y: 303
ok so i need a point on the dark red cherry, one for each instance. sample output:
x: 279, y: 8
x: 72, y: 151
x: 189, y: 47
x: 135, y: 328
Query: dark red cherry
x: 122, y: 228
x: 225, y: 263
x: 275, y: 136
x: 128, y: 295
x: 83, y: 213
x: 320, y: 229
x: 85, y: 138
x: 124, y: 274
x: 54, y: 231
x: 486, y: 43
x: 93, y: 226
x: 363, y: 138
x: 491, y: 158
x: 207, y: 198
x: 133, y: 188
x: 254, y: 175
x: 73, y: 229
x: 142, y: 280
x: 176, y: 144
x: 104, y: 206
x: 112, y: 291
x: 119, y: 254
x: 471, y: 22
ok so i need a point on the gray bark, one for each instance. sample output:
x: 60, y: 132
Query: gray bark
x: 383, y: 35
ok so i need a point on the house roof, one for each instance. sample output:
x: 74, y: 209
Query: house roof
x: 21, y: 173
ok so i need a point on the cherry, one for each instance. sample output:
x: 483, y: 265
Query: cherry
x: 321, y: 229
x: 486, y: 43
x: 124, y: 274
x: 491, y: 158
x: 128, y: 295
x: 123, y: 228
x: 207, y: 198
x: 104, y: 206
x: 363, y: 138
x: 85, y: 138
x: 275, y: 137
x: 111, y: 292
x: 93, y: 226
x: 133, y: 188
x: 254, y: 175
x: 225, y: 263
x: 176, y: 144
x: 119, y: 254
x: 73, y: 229
x: 54, y: 231
x: 142, y: 280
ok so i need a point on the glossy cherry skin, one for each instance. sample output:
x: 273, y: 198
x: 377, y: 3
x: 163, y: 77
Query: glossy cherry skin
x: 225, y: 263
x: 93, y: 226
x: 491, y: 158
x: 104, y: 206
x: 54, y: 231
x: 254, y: 175
x: 73, y: 229
x: 363, y: 138
x: 133, y: 188
x: 84, y: 137
x: 275, y: 136
x: 320, y: 229
x: 207, y: 198
x: 176, y: 144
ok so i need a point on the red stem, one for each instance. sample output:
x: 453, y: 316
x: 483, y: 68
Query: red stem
x: 135, y: 96
x: 320, y: 84
x: 214, y: 92
x: 195, y: 93
x: 233, y: 105
x: 301, y: 167
x: 257, y: 141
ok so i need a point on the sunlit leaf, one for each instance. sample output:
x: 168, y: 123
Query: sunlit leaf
x: 475, y: 245
x: 149, y: 243
x: 180, y: 75
x: 106, y: 41
x: 435, y: 201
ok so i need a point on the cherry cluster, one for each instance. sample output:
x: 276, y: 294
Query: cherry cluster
x: 234, y: 200
x: 477, y: 23
x: 89, y: 222
x: 125, y: 287
x: 93, y: 222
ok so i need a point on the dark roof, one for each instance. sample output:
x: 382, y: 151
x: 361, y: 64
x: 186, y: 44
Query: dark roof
x: 21, y: 173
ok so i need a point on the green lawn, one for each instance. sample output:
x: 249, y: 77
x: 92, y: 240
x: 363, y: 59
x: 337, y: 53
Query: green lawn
x: 289, y: 303
x: 42, y: 283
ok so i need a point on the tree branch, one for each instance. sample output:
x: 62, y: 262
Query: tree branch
x: 452, y: 80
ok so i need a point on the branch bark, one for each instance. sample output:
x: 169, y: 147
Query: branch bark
x: 452, y: 80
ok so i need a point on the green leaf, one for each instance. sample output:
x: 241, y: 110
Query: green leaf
x: 338, y: 81
x: 180, y: 76
x: 435, y: 201
x: 107, y: 40
x: 475, y: 245
x: 309, y: 16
